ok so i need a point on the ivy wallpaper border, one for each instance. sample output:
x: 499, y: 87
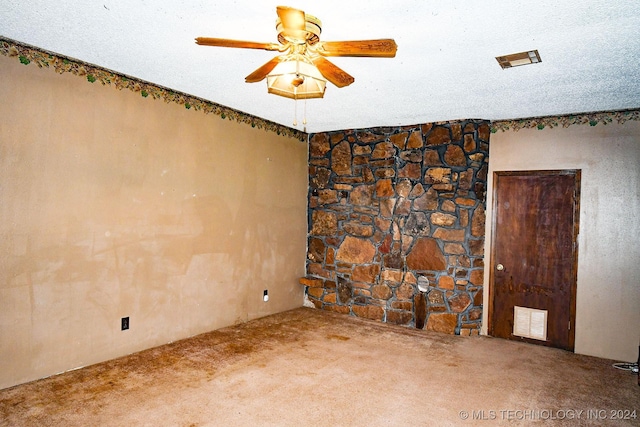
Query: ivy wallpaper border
x: 591, y: 119
x: 27, y: 54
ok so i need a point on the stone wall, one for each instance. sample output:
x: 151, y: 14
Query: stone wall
x: 396, y: 224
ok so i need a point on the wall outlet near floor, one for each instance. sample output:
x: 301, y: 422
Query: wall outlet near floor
x: 124, y: 323
x: 265, y: 295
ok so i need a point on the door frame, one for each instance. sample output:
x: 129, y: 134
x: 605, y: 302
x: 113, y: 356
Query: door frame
x: 577, y: 173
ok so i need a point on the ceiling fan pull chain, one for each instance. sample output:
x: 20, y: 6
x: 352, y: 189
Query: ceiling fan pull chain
x: 295, y: 110
x: 304, y: 118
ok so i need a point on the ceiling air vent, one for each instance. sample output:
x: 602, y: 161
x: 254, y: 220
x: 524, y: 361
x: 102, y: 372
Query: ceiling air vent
x: 517, y: 59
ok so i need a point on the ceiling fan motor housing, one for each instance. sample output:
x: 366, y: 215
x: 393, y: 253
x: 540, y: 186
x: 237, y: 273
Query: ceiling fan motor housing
x: 310, y: 35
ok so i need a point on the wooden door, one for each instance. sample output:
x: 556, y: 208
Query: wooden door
x: 534, y: 252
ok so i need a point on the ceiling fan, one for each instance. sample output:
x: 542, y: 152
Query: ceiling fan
x: 301, y: 71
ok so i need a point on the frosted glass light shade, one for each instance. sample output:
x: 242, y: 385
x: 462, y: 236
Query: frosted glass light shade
x: 296, y: 78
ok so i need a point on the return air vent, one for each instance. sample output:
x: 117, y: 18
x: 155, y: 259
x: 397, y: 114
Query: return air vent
x: 530, y: 323
x: 517, y: 59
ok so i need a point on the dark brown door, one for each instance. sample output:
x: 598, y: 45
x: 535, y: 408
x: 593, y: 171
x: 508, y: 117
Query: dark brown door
x: 534, y: 252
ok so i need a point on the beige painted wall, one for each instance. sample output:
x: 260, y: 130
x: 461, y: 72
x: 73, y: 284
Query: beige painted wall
x: 116, y: 205
x: 608, y: 290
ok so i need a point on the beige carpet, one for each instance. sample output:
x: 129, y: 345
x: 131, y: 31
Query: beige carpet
x: 312, y: 368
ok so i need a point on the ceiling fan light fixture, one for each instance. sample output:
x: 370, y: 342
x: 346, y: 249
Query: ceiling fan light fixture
x: 296, y: 78
x: 302, y: 70
x: 518, y: 59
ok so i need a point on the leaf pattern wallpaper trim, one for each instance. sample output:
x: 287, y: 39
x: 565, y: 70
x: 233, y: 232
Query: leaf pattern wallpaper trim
x: 27, y: 54
x: 61, y: 64
x: 591, y: 119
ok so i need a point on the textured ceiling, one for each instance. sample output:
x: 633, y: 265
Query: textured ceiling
x: 445, y: 68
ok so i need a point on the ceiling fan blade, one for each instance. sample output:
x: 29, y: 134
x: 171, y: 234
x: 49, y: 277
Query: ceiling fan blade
x: 211, y: 41
x: 262, y: 72
x: 382, y: 48
x: 292, y: 19
x: 332, y: 72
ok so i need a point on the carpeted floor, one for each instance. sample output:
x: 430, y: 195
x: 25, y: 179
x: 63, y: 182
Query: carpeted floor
x: 307, y: 367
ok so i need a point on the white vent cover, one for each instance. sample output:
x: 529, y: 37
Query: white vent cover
x: 530, y: 323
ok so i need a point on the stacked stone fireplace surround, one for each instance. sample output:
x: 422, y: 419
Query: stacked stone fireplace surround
x: 396, y: 224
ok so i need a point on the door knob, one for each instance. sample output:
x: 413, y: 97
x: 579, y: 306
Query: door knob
x: 499, y: 267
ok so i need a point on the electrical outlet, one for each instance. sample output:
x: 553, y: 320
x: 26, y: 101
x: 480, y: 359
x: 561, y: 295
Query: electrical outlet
x: 265, y: 295
x: 124, y: 323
